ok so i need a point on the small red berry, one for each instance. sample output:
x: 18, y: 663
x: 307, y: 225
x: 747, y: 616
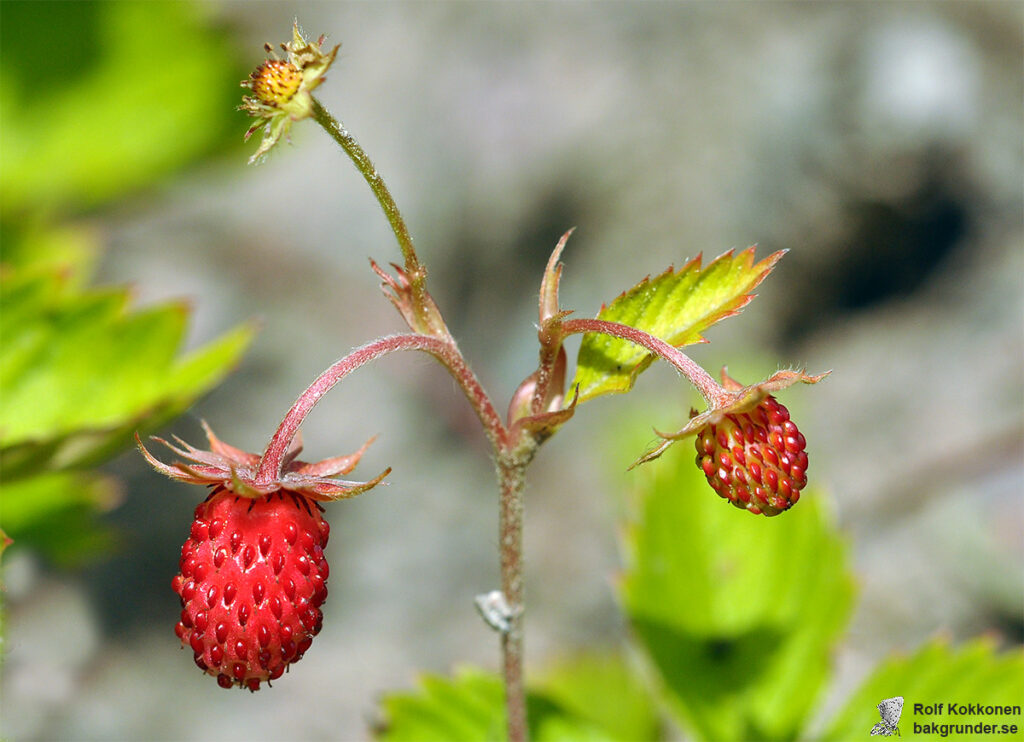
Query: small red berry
x: 257, y: 640
x: 755, y: 459
x: 253, y: 573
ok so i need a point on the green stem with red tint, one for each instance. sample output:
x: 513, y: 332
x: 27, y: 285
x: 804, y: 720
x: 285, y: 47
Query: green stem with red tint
x: 425, y: 313
x: 710, y: 389
x: 446, y: 352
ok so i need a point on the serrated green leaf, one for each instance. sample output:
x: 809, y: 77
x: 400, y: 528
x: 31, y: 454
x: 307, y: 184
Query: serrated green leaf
x: 676, y: 306
x: 555, y: 728
x: 939, y: 674
x: 469, y: 706
x: 738, y: 613
x: 80, y: 371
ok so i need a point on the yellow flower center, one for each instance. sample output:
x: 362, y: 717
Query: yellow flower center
x: 274, y: 82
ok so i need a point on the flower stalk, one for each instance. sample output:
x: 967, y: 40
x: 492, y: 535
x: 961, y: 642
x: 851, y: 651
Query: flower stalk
x: 429, y: 319
x: 365, y: 166
x: 276, y: 453
x: 714, y: 394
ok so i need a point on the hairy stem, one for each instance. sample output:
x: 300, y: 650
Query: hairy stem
x: 425, y: 313
x: 710, y: 389
x: 511, y: 473
x: 513, y: 456
x: 444, y: 351
x: 362, y: 162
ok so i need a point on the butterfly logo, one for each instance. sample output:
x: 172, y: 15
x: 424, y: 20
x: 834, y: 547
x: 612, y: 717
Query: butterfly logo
x: 890, y: 709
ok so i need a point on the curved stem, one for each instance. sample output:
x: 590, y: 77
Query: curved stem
x: 444, y: 351
x: 710, y: 389
x: 362, y: 162
x: 422, y: 306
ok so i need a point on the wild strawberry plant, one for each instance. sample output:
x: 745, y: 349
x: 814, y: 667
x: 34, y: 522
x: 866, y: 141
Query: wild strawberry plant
x: 253, y: 575
x: 751, y: 452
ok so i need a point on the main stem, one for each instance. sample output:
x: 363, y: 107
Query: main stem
x: 512, y: 456
x: 511, y: 474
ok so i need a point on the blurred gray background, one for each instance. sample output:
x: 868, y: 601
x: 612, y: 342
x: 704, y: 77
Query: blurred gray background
x: 881, y: 144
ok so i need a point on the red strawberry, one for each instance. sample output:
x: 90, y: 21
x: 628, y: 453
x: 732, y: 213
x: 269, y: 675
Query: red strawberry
x: 755, y: 459
x: 253, y: 578
x: 750, y: 451
x: 253, y: 572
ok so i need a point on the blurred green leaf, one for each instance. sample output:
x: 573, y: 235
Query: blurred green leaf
x: 56, y: 512
x: 738, y: 613
x: 470, y: 707
x: 80, y: 371
x: 937, y: 673
x: 100, y: 98
x: 35, y: 248
x: 676, y: 306
x: 601, y: 690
